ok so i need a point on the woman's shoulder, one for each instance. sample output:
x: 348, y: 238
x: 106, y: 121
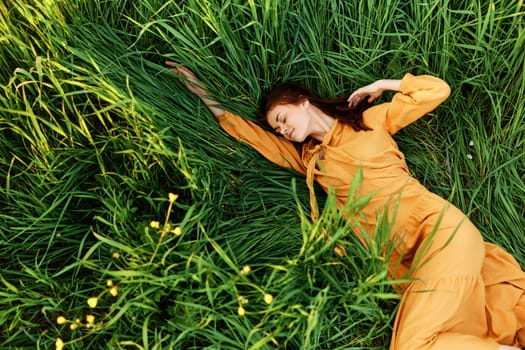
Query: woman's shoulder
x: 375, y: 116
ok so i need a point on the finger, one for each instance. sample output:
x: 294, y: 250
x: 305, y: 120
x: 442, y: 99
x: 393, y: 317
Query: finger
x: 353, y: 96
x: 373, y: 97
x: 183, y: 70
x: 177, y: 68
x: 173, y: 66
x: 354, y: 100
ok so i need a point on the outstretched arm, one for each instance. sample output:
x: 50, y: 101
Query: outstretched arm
x: 276, y: 149
x: 195, y: 86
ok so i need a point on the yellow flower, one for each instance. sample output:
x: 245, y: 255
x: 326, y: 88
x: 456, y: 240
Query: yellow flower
x: 61, y: 320
x: 113, y: 291
x: 246, y: 270
x: 109, y: 283
x: 115, y: 255
x: 92, y: 302
x: 241, y: 311
x: 154, y: 224
x: 268, y: 298
x: 177, y: 231
x: 59, y: 344
x: 90, y: 319
x: 73, y: 326
x: 172, y: 197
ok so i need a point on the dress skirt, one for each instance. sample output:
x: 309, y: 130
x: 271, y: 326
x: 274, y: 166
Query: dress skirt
x: 464, y: 293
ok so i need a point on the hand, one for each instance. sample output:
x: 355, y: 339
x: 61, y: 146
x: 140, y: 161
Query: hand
x: 373, y: 90
x: 194, y: 85
x: 189, y: 78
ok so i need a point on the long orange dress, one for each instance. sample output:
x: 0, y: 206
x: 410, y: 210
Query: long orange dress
x: 468, y: 294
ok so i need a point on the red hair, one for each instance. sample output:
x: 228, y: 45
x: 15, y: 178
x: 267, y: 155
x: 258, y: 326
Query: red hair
x: 337, y: 108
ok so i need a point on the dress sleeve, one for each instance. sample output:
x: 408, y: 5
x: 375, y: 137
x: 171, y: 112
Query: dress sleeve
x: 276, y: 149
x: 418, y: 95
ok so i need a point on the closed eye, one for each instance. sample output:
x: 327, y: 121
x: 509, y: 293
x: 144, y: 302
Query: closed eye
x: 277, y: 128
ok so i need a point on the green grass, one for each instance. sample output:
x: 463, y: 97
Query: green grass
x: 95, y: 133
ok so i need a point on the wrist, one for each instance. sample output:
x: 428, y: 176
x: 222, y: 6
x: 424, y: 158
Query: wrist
x: 389, y: 84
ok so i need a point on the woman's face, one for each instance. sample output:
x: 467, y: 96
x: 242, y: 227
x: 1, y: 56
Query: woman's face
x: 290, y: 120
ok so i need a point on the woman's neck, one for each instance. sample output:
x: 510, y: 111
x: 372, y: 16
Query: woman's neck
x: 320, y: 123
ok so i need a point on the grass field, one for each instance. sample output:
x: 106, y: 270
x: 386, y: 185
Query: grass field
x: 98, y: 139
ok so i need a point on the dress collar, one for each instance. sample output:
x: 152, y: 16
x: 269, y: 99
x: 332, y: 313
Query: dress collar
x: 311, y: 154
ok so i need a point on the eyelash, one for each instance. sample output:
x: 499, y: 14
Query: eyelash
x: 282, y: 120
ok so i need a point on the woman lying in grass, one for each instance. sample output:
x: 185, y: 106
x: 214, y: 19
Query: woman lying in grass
x: 466, y: 293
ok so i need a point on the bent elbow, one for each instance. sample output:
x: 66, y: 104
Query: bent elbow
x: 441, y: 90
x: 445, y: 90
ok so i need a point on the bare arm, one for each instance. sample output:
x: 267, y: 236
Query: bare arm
x: 373, y: 90
x: 276, y: 149
x: 415, y: 97
x: 195, y: 86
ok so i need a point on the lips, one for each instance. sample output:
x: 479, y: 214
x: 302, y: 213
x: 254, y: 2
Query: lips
x: 290, y: 133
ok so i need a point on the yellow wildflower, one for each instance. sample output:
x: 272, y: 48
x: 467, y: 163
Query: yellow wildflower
x: 246, y: 270
x: 154, y: 224
x: 172, y: 197
x: 73, y: 326
x: 59, y: 344
x: 113, y: 291
x: 90, y: 319
x: 109, y: 283
x: 177, y: 231
x: 92, y: 302
x: 115, y: 255
x: 268, y: 298
x: 61, y: 319
x: 241, y: 311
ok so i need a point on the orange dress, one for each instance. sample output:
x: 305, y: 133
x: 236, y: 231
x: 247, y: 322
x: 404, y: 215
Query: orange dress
x: 468, y: 294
